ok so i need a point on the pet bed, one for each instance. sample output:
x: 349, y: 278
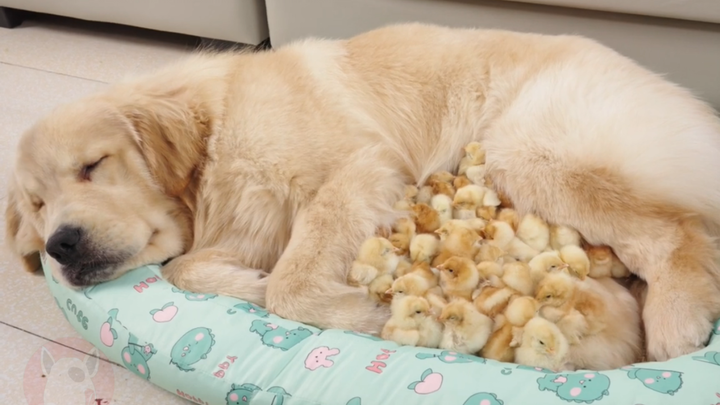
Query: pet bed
x: 216, y: 350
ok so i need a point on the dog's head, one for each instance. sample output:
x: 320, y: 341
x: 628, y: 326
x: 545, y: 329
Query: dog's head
x: 103, y: 186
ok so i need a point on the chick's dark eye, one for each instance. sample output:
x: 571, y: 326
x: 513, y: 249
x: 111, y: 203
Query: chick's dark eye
x: 548, y: 296
x: 541, y: 342
x: 450, y: 271
x: 87, y: 170
x: 418, y: 312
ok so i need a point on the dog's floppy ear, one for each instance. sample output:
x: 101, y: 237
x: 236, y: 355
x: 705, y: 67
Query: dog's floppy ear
x: 171, y: 134
x: 21, y: 236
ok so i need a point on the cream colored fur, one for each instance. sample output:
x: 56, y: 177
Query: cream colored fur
x: 283, y: 162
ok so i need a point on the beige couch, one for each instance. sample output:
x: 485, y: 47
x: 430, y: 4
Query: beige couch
x: 679, y: 38
x: 230, y: 20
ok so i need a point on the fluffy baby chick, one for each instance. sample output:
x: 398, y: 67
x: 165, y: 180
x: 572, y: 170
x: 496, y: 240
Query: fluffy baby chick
x: 492, y: 300
x: 521, y: 250
x: 476, y: 174
x: 441, y: 187
x: 500, y: 345
x: 466, y: 329
x: 499, y: 234
x: 491, y: 272
x: 544, y: 263
x: 361, y: 273
x: 405, y: 226
x: 377, y: 289
x: 469, y: 197
x: 461, y: 181
x: 444, y: 207
x: 427, y: 219
x: 461, y: 241
x: 601, y: 262
x: 442, y: 176
x: 423, y: 247
x: 411, y: 192
x: 401, y: 242
x: 476, y: 224
x: 491, y: 199
x: 459, y: 277
x: 424, y: 195
x: 408, y: 315
x: 534, y: 231
x: 521, y: 310
x: 486, y: 213
x: 510, y: 216
x: 489, y: 253
x: 543, y: 345
x: 379, y: 253
x: 423, y: 270
x: 577, y: 260
x: 516, y: 275
x: 561, y: 235
x: 619, y: 270
x: 414, y: 284
x: 403, y: 205
x: 403, y: 267
x: 475, y: 152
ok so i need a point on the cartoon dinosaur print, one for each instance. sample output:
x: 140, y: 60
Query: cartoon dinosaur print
x: 354, y: 401
x: 135, y: 357
x: 108, y: 335
x: 709, y: 357
x: 451, y: 357
x: 192, y: 347
x: 164, y: 314
x: 250, y: 308
x: 483, y: 398
x: 579, y: 387
x: 662, y: 381
x: 363, y: 335
x: 243, y: 394
x: 194, y: 296
x: 278, y: 337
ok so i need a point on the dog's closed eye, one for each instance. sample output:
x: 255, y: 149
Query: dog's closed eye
x: 87, y: 170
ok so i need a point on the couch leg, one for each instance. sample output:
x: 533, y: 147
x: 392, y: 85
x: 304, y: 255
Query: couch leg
x: 10, y: 18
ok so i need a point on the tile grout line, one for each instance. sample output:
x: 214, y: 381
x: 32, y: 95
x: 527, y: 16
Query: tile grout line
x: 51, y: 72
x: 58, y: 343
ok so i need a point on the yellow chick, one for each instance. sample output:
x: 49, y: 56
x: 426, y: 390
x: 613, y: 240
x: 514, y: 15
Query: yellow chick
x: 492, y: 272
x: 543, y: 345
x: 461, y: 241
x: 403, y: 267
x: 489, y: 253
x: 493, y: 301
x: 577, y: 260
x: 534, y: 231
x: 379, y: 253
x: 466, y: 330
x: 521, y: 310
x: 491, y: 199
x: 415, y: 285
x: 411, y: 192
x: 459, y: 277
x: 499, y: 234
x: 619, y: 270
x: 516, y: 275
x: 408, y: 314
x: 561, y: 235
x: 475, y: 153
x: 601, y: 262
x: 401, y: 242
x: 377, y: 289
x: 544, y: 263
x: 499, y: 346
x: 441, y: 187
x: 476, y: 174
x: 510, y: 216
x: 405, y: 226
x: 403, y: 205
x: 425, y: 194
x: 423, y: 270
x: 442, y: 176
x: 486, y: 213
x: 361, y: 273
x: 427, y: 219
x: 521, y: 250
x: 423, y: 247
x: 461, y: 181
x: 469, y: 198
x: 476, y: 224
x: 444, y: 207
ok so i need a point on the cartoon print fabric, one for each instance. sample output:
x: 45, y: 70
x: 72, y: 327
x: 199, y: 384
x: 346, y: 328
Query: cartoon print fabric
x: 215, y: 350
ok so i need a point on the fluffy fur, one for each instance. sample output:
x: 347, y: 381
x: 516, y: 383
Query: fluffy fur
x: 283, y: 162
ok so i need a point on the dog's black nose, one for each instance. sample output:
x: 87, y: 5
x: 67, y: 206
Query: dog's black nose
x: 65, y: 245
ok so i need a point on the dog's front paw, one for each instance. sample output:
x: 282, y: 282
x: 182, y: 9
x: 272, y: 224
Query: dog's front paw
x: 675, y: 324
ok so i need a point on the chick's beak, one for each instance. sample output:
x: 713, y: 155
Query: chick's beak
x: 389, y: 292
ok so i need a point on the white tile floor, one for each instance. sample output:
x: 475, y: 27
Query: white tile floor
x: 44, y: 63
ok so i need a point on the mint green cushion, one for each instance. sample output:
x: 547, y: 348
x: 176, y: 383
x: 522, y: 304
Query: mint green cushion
x: 223, y: 351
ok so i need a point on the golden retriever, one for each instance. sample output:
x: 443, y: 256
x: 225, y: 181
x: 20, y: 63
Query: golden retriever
x: 260, y: 174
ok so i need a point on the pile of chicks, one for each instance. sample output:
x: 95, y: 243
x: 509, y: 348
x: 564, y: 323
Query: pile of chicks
x: 465, y: 273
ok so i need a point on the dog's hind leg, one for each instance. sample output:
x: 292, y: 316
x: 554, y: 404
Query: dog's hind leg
x: 309, y: 282
x: 214, y: 271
